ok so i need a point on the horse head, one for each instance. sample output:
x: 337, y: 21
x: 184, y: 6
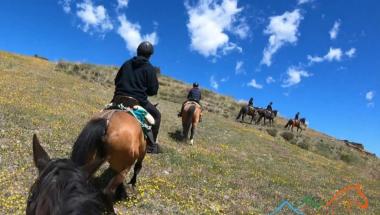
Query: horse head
x: 62, y: 187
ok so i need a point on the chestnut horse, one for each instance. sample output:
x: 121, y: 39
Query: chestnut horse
x: 62, y: 187
x: 190, y: 118
x: 117, y: 136
x: 297, y: 123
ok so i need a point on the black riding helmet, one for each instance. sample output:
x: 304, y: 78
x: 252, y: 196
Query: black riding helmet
x: 195, y: 84
x: 145, y: 49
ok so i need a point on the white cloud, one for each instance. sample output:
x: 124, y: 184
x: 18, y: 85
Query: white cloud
x: 334, y: 54
x: 130, y: 32
x: 335, y: 30
x: 242, y: 101
x: 294, y: 76
x: 65, y: 5
x: 282, y: 29
x: 122, y: 4
x: 208, y: 23
x: 225, y: 79
x: 94, y: 18
x: 370, y: 95
x: 229, y: 47
x: 214, y: 84
x: 242, y: 29
x: 304, y: 1
x: 351, y: 53
x: 254, y: 84
x: 239, y: 67
x: 270, y: 80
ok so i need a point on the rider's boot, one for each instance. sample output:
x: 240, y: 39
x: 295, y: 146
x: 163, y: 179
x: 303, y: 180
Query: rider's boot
x: 152, y: 146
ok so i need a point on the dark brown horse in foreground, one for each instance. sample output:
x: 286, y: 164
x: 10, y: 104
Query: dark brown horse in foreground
x: 300, y: 124
x: 190, y: 118
x: 267, y: 115
x: 117, y: 136
x: 62, y: 187
x: 246, y: 110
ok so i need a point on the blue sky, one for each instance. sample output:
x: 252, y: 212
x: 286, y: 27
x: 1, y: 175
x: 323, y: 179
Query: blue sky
x: 318, y: 57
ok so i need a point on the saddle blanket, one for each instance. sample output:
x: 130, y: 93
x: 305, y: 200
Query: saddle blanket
x: 145, y: 119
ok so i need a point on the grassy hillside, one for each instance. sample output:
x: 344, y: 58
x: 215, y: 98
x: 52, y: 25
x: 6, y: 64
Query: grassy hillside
x: 233, y: 168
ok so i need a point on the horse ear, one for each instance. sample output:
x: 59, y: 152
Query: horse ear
x: 90, y: 168
x: 40, y: 157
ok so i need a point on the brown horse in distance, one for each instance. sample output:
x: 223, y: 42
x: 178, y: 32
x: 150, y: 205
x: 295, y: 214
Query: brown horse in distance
x: 300, y: 124
x: 246, y: 110
x: 190, y: 118
x: 117, y: 136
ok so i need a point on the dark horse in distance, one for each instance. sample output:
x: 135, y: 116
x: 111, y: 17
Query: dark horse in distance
x: 246, y: 110
x: 297, y: 123
x: 267, y: 115
x: 62, y: 187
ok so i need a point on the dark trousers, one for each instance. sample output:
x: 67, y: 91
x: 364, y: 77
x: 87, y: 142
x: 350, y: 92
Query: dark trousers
x: 156, y: 115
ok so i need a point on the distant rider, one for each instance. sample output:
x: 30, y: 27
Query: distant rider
x: 135, y: 81
x: 250, y: 103
x: 296, y: 117
x: 193, y: 95
x: 269, y: 107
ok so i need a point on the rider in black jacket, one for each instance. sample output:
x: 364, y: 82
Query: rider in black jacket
x: 137, y: 78
x: 269, y: 107
x: 296, y: 117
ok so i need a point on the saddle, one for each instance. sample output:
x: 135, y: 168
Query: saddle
x: 193, y: 103
x: 129, y: 105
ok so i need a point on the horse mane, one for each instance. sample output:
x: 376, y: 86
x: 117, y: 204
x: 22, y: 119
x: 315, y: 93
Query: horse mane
x: 63, y: 188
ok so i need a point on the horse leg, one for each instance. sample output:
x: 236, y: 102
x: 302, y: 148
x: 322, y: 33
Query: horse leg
x: 113, y: 184
x: 136, y: 171
x: 193, y: 128
x: 185, y: 130
x: 258, y: 120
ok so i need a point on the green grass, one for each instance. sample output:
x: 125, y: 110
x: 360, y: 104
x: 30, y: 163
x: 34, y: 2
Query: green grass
x: 232, y: 168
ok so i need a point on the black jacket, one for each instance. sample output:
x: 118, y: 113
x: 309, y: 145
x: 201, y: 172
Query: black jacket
x: 137, y: 78
x: 269, y: 107
x: 194, y: 94
x: 297, y: 116
x: 250, y: 102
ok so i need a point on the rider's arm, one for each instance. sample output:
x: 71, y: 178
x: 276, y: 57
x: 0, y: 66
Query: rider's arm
x: 118, y: 74
x: 152, y: 81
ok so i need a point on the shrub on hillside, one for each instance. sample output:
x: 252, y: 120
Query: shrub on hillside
x: 303, y: 144
x: 288, y: 136
x: 348, y: 157
x: 272, y: 132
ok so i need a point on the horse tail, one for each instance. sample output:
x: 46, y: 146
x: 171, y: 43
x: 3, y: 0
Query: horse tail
x: 189, y: 116
x: 289, y: 123
x: 240, y: 113
x: 90, y: 141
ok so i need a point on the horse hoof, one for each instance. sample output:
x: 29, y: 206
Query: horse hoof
x: 131, y: 190
x: 191, y: 142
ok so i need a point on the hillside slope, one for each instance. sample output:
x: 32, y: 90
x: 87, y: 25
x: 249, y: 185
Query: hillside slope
x: 233, y: 168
